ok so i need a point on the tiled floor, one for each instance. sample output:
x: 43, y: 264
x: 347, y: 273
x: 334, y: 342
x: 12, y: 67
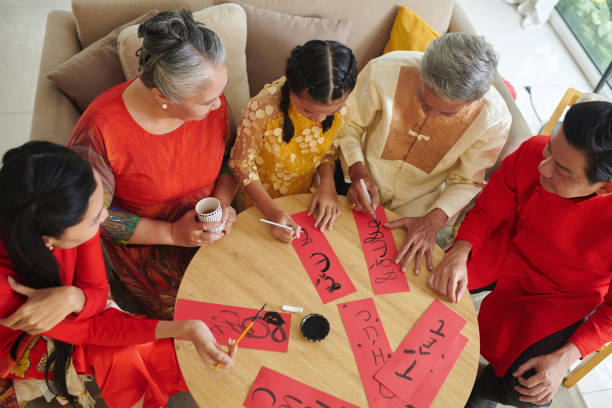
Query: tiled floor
x: 22, y: 27
x: 535, y: 58
x: 596, y: 387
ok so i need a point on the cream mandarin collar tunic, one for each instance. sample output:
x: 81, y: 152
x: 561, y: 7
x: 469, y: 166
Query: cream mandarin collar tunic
x: 419, y: 161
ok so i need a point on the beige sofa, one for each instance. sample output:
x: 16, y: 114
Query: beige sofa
x: 67, y: 33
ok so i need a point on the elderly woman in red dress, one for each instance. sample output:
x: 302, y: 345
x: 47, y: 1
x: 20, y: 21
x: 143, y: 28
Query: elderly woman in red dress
x: 158, y: 141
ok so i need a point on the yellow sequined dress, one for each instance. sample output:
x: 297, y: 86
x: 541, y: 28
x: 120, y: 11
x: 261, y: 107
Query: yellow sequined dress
x: 261, y: 154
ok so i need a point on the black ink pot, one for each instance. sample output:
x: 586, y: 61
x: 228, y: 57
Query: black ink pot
x: 314, y: 327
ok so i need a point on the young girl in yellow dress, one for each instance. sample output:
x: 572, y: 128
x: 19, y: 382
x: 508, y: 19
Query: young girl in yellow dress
x: 287, y: 131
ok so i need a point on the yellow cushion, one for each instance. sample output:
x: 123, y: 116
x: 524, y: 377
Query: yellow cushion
x: 410, y: 32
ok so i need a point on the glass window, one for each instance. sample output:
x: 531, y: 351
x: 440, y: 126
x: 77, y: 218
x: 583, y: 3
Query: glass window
x: 590, y: 21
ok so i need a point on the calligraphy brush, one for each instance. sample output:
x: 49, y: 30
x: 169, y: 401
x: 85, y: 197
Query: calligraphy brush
x: 246, y: 329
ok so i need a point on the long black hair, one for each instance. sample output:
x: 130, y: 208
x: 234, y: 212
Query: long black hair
x: 45, y: 189
x: 326, y: 69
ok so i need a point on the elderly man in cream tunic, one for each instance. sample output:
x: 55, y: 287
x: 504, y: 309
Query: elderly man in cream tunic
x: 423, y: 128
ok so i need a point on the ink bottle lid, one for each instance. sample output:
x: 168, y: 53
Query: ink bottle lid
x: 314, y: 327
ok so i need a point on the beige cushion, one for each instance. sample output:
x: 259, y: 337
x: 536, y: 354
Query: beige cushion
x: 371, y: 20
x: 93, y: 70
x: 272, y: 36
x: 227, y: 20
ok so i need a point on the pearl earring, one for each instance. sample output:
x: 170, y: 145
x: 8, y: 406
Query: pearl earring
x: 164, y: 105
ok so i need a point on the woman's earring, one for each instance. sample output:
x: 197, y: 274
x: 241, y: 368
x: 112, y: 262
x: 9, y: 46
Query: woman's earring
x: 164, y: 106
x: 50, y: 247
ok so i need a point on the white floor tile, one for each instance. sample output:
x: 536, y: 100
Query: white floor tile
x: 598, y: 379
x: 24, y: 28
x: 608, y: 363
x: 600, y: 399
x: 14, y: 130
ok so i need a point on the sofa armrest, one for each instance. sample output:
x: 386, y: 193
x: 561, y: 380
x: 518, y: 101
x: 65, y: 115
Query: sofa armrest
x: 54, y: 114
x: 460, y: 22
x: 519, y: 130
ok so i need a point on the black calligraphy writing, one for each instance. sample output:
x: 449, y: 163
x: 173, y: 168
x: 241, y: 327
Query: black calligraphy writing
x: 382, y: 266
x: 230, y: 321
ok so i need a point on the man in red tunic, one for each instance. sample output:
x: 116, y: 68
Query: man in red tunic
x: 540, y: 236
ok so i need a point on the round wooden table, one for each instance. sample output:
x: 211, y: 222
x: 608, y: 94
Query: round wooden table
x: 250, y: 267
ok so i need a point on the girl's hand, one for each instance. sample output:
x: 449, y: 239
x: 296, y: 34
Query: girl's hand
x: 325, y: 204
x: 283, y: 234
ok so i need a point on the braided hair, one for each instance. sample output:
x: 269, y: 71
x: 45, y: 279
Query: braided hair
x: 177, y: 53
x: 45, y: 189
x: 327, y: 70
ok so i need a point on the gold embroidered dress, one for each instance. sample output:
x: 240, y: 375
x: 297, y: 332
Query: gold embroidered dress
x: 261, y: 154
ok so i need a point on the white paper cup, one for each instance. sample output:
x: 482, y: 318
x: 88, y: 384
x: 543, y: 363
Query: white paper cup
x: 209, y: 210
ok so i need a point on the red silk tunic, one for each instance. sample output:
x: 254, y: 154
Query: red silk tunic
x: 149, y: 175
x: 119, y: 349
x: 551, y: 258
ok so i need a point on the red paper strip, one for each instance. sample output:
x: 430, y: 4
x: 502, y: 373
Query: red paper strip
x: 370, y: 347
x: 320, y: 261
x: 424, y: 345
x: 427, y: 391
x: 229, y: 321
x: 380, y: 252
x: 273, y: 389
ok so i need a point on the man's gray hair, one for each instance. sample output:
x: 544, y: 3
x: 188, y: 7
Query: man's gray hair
x: 177, y: 54
x: 459, y: 66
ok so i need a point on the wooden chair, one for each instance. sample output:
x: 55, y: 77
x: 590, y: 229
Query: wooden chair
x: 586, y: 366
x: 570, y: 97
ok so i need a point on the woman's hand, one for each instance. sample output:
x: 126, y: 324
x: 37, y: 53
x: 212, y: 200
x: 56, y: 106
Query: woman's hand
x: 228, y: 218
x: 283, y: 234
x: 187, y: 231
x: 44, y: 308
x: 200, y: 335
x: 209, y: 350
x: 325, y: 204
